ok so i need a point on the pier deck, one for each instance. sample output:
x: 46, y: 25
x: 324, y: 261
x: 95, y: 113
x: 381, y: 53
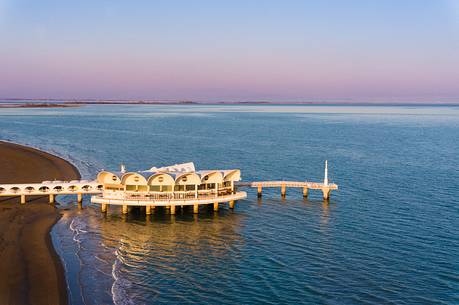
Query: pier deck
x: 118, y: 194
x: 326, y: 188
x: 81, y: 187
x: 51, y: 189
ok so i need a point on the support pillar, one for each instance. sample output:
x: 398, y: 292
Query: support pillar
x: 259, y: 190
x: 326, y: 192
x: 148, y: 210
x: 172, y: 209
x: 231, y: 204
x: 305, y: 191
x: 51, y: 198
x: 79, y: 197
x: 104, y: 208
x: 195, y: 208
x: 125, y: 209
x: 23, y: 199
x: 215, y: 206
x: 283, y: 190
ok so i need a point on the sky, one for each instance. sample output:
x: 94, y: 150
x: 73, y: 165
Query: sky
x: 230, y: 50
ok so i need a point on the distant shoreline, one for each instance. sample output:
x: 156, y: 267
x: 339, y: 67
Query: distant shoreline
x: 37, y: 105
x: 65, y: 103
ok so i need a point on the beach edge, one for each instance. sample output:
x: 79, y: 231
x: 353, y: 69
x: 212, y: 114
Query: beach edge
x: 40, y: 222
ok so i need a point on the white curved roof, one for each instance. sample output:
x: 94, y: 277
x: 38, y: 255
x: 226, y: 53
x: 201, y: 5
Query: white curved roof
x: 182, y: 168
x: 177, y: 171
x: 213, y: 176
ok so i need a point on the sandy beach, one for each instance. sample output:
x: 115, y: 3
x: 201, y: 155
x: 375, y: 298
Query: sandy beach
x: 30, y: 270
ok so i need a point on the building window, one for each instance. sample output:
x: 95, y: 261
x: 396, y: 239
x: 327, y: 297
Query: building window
x: 167, y: 188
x: 179, y: 188
x: 131, y: 187
x: 155, y: 188
x: 143, y: 188
x: 160, y: 179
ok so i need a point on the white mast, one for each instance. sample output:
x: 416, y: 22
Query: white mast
x: 326, y: 173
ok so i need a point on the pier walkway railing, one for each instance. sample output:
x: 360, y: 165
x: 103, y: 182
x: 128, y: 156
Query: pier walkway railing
x: 81, y: 187
x: 149, y: 201
x: 51, y: 189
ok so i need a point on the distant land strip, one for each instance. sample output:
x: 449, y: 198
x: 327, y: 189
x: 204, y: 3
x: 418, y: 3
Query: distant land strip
x: 64, y: 103
x: 38, y: 105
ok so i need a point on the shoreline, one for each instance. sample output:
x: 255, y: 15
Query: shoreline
x: 31, y: 271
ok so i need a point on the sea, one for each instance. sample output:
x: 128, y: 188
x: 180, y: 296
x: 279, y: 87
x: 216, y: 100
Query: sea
x: 389, y: 235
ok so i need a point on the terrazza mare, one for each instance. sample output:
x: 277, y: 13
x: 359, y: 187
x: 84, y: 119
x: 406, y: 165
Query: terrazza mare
x: 174, y: 186
x: 171, y: 186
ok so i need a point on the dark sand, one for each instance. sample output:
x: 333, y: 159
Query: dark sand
x: 30, y: 270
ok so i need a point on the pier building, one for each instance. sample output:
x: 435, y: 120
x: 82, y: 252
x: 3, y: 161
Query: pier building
x: 171, y: 186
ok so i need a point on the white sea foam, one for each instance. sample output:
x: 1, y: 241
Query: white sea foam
x: 75, y: 227
x: 120, y: 284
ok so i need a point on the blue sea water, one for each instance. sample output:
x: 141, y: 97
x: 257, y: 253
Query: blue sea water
x: 390, y: 235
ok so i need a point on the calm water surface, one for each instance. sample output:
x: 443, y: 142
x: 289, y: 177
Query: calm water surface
x: 389, y: 236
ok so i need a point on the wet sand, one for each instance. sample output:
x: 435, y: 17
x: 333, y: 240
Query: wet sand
x: 30, y: 270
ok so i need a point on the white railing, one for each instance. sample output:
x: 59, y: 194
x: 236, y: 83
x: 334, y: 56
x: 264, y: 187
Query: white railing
x: 50, y: 187
x: 140, y: 202
x: 165, y: 196
x: 311, y: 185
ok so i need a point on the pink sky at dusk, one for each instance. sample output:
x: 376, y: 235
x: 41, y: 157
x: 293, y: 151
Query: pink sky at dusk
x: 232, y: 51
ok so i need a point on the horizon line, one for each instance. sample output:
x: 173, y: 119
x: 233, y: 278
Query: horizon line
x: 343, y: 101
